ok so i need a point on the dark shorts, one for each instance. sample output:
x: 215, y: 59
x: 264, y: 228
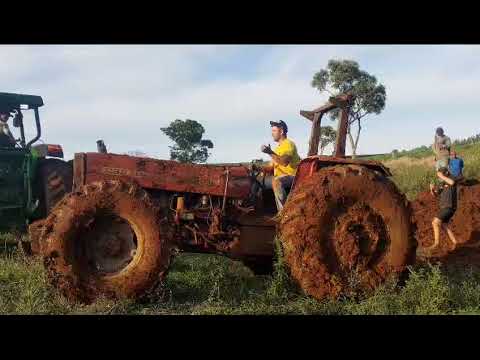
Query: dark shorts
x: 446, y: 214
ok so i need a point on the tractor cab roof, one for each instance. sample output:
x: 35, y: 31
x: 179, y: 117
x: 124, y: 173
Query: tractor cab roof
x: 15, y: 101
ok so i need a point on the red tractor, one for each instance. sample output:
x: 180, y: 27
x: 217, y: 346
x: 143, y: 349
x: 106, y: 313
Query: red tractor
x: 115, y: 234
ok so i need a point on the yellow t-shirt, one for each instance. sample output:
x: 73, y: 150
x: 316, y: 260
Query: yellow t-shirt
x: 286, y: 147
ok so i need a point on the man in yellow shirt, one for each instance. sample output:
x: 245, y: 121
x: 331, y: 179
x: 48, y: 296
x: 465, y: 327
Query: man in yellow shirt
x: 284, y: 162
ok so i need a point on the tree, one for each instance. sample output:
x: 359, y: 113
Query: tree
x: 189, y: 146
x: 327, y: 137
x: 342, y: 76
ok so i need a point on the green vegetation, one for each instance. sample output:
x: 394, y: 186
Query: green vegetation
x: 413, y: 170
x: 426, y: 151
x: 189, y: 146
x: 203, y: 284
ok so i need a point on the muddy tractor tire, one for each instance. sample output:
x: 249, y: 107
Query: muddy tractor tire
x: 105, y: 240
x: 346, y: 229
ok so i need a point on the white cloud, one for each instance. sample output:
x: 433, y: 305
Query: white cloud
x: 124, y: 94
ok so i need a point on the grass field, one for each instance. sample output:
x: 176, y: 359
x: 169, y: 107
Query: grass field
x: 412, y: 172
x: 204, y: 284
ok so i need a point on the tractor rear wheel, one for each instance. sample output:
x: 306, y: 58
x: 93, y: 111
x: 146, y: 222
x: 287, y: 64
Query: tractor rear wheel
x: 346, y: 229
x: 105, y: 240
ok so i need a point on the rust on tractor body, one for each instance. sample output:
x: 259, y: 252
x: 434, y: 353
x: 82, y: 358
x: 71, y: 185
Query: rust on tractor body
x: 204, y: 203
x: 163, y: 174
x: 341, y: 102
x: 311, y: 164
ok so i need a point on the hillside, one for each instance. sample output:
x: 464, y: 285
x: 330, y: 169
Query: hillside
x: 413, y: 170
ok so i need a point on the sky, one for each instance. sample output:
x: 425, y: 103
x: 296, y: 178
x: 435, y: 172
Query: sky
x: 124, y: 94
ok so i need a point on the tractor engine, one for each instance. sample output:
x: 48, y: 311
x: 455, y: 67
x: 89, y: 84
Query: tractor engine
x: 201, y: 203
x: 207, y: 221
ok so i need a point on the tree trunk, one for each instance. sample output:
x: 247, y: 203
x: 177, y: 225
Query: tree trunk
x: 357, y: 137
x: 352, y: 142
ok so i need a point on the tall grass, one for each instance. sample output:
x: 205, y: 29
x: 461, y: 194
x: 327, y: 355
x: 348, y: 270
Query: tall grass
x: 413, y: 175
x: 204, y: 284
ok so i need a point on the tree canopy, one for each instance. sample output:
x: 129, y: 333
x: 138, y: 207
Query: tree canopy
x: 189, y: 146
x: 345, y: 76
x: 327, y: 137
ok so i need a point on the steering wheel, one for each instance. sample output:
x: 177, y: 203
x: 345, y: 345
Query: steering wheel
x: 257, y: 175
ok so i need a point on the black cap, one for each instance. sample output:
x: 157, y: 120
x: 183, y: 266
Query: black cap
x: 281, y: 124
x: 439, y: 131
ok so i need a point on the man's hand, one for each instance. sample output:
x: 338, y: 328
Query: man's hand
x: 432, y: 189
x: 267, y: 149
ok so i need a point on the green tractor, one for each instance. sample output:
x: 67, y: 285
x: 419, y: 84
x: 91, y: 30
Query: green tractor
x: 33, y: 178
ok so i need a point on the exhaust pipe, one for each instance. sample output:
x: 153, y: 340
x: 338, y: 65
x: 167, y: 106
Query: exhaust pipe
x: 101, y: 148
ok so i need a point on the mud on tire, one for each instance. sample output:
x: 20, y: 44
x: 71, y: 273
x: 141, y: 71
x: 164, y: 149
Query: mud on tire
x: 346, y: 228
x: 105, y: 240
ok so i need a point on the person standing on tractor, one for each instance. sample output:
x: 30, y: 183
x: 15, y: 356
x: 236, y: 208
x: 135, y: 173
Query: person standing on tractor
x: 284, y: 162
x: 441, y: 148
x: 6, y: 137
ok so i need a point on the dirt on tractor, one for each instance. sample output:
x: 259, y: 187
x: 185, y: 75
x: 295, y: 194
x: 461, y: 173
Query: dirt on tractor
x: 355, y: 223
x: 100, y: 242
x: 465, y: 224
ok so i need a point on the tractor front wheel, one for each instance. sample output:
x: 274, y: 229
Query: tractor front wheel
x: 105, y: 240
